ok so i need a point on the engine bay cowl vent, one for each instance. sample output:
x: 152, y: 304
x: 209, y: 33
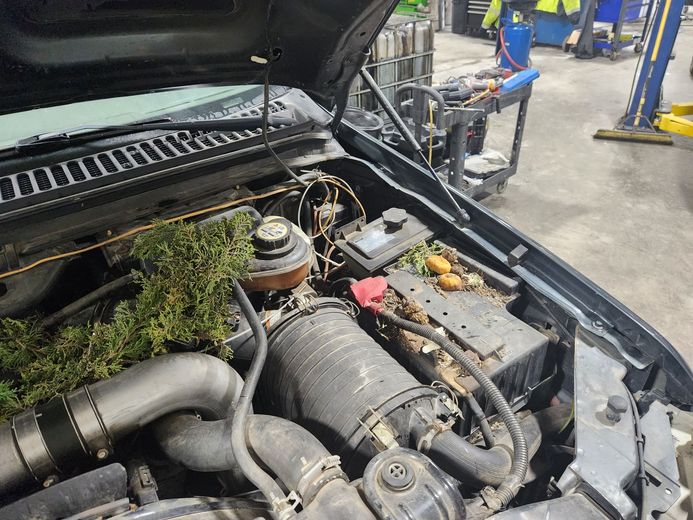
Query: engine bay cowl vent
x: 25, y: 188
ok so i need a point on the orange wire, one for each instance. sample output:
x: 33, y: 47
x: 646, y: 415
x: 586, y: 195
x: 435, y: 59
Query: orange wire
x: 147, y: 227
x: 141, y: 229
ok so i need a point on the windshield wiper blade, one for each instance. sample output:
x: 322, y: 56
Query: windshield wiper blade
x: 93, y: 132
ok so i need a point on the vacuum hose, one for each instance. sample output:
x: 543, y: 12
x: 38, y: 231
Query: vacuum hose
x: 511, y: 484
x: 50, y: 439
x: 266, y: 484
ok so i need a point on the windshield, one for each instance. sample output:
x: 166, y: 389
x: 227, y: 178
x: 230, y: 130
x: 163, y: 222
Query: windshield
x: 127, y: 109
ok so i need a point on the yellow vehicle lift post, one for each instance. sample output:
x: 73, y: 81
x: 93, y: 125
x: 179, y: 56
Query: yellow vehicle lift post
x: 646, y: 120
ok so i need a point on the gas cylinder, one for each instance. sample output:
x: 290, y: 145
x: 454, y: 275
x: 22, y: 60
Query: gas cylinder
x: 517, y: 39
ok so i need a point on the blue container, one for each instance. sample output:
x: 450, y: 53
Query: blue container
x: 551, y: 29
x: 609, y: 10
x: 520, y: 79
x: 518, y: 41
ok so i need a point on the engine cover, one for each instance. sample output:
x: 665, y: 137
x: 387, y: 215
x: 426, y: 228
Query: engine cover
x: 510, y: 352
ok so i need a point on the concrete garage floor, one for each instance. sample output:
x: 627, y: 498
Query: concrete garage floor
x: 621, y: 213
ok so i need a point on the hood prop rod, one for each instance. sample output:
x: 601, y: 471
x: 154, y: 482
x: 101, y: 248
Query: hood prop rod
x: 460, y: 214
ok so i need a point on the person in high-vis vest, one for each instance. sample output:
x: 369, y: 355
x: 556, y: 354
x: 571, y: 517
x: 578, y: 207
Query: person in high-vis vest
x: 492, y: 14
x: 571, y: 8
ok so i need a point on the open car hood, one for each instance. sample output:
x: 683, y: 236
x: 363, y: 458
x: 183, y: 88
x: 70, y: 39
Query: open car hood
x: 63, y: 51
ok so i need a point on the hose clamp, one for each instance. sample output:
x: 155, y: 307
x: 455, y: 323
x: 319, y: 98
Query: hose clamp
x: 29, y: 443
x: 286, y: 508
x: 490, y: 497
x: 317, y: 476
x: 379, y: 432
x: 306, y: 304
x: 432, y: 429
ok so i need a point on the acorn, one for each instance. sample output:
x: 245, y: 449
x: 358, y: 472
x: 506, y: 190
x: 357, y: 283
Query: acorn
x: 438, y: 264
x: 450, y: 282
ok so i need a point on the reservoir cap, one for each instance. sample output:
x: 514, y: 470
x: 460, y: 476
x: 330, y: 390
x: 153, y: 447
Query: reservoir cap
x: 274, y: 234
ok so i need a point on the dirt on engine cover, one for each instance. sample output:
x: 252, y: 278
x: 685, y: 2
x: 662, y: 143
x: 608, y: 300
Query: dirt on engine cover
x: 446, y: 368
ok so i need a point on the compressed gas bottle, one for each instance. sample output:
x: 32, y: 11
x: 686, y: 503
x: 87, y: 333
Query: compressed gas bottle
x: 518, y: 41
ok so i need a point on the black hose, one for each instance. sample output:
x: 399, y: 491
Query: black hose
x: 273, y: 205
x: 477, y: 467
x: 284, y: 447
x: 346, y: 281
x: 87, y: 300
x: 93, y: 418
x: 511, y: 484
x: 266, y: 484
x: 484, y: 426
x: 196, y: 444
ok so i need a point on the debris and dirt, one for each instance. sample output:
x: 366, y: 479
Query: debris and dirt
x: 447, y: 369
x: 450, y: 254
x: 415, y: 258
x: 471, y: 281
x: 413, y: 311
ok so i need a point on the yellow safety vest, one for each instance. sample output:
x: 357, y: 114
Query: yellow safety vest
x: 551, y: 6
x: 492, y: 14
x: 548, y: 6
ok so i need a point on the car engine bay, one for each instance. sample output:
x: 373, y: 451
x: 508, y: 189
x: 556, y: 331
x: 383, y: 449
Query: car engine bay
x: 383, y: 367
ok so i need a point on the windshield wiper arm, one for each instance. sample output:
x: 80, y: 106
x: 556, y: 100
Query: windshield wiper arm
x: 92, y: 132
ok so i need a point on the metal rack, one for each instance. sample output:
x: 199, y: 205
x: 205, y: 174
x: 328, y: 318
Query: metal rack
x: 408, y: 59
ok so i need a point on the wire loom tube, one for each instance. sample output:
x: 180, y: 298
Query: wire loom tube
x: 508, y: 488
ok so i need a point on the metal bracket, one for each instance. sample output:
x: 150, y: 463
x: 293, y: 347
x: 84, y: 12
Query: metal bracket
x: 381, y: 434
x: 606, y: 461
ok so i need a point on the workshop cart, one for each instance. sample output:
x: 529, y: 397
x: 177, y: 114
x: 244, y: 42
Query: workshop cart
x: 618, y: 12
x: 462, y: 123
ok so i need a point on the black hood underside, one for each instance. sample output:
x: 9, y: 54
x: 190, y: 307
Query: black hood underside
x: 72, y: 50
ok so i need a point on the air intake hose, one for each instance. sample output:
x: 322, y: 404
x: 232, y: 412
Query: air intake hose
x: 50, y: 439
x: 287, y: 449
x: 325, y: 373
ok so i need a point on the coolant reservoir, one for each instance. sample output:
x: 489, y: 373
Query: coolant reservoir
x: 283, y: 256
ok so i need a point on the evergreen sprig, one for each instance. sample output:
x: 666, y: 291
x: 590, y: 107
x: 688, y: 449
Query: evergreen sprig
x: 185, y: 299
x: 415, y: 258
